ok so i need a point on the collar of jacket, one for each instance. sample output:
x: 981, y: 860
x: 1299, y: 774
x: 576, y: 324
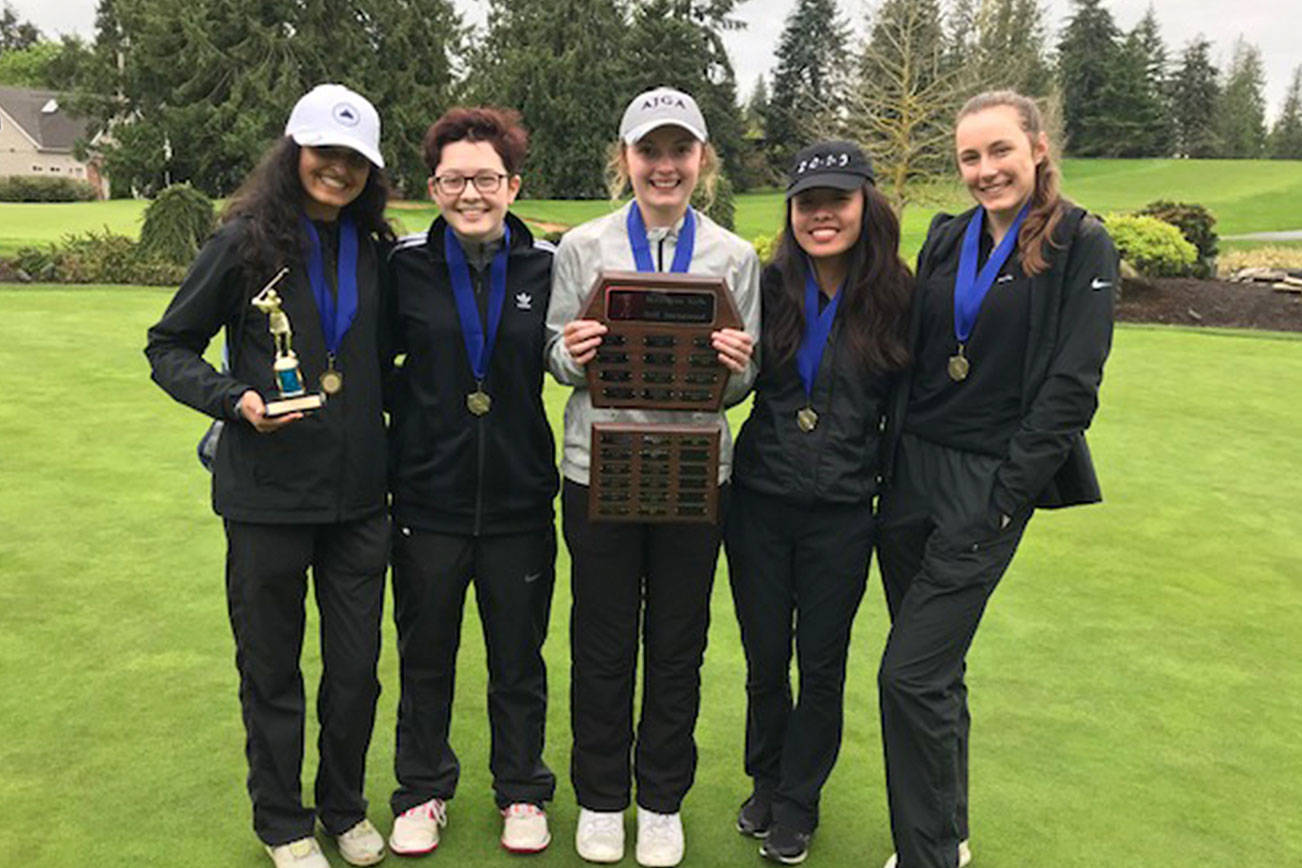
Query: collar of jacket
x: 521, y: 237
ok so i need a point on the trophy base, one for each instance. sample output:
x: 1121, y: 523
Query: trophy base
x: 300, y: 404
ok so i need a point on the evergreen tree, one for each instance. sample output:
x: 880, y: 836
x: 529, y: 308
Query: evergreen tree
x: 809, y: 80
x: 1241, y: 111
x: 1195, y: 94
x: 569, y: 82
x: 1286, y: 137
x: 1087, y: 57
x: 16, y: 35
x: 1132, y: 121
x: 756, y: 109
x: 1000, y: 44
x: 678, y: 43
x: 1145, y: 41
x: 194, y: 90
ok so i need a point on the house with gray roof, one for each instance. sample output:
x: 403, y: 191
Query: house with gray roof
x: 37, y: 135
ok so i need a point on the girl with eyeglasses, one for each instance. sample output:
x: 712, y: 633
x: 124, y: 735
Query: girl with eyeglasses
x: 473, y: 476
x: 298, y: 492
x: 629, y: 580
x: 1010, y: 326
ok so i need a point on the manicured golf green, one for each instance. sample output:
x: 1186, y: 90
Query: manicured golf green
x: 1135, y: 687
x: 1244, y: 195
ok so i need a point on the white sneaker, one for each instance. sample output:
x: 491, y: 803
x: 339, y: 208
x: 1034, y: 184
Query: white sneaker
x: 524, y: 828
x: 416, y: 830
x: 361, y: 845
x: 659, y: 839
x: 599, y: 836
x: 964, y: 856
x: 303, y: 853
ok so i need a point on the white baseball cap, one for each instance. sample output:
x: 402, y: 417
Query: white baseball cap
x: 658, y: 107
x: 331, y: 114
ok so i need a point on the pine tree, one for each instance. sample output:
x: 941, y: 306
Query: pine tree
x: 1286, y: 137
x: 1241, y: 111
x: 756, y: 108
x: 195, y: 90
x: 1088, y: 55
x: 1146, y: 42
x: 569, y: 82
x: 809, y: 80
x: 1195, y: 94
x: 1001, y: 45
x: 679, y: 43
x: 16, y: 35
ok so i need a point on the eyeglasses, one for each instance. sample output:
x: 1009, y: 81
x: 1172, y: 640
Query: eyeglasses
x: 485, y: 182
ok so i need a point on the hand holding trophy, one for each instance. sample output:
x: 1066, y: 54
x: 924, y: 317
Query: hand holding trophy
x: 293, y: 397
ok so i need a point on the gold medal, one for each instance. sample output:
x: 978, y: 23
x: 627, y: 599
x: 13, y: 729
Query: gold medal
x: 958, y: 366
x: 806, y: 419
x: 331, y: 381
x: 478, y: 402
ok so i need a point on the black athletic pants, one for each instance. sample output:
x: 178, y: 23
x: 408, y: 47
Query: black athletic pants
x: 796, y: 573
x: 942, y: 552
x: 626, y: 576
x: 513, y: 575
x: 266, y: 583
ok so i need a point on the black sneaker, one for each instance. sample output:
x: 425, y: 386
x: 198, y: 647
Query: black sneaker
x: 755, y: 817
x: 786, y: 845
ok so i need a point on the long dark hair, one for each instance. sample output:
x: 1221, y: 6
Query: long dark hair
x: 874, y: 309
x: 271, y: 198
x: 1047, y: 203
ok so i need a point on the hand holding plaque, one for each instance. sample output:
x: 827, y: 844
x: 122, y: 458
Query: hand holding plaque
x: 293, y: 398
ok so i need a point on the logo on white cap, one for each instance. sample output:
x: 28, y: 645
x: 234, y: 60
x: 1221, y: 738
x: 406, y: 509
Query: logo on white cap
x: 346, y: 114
x: 660, y: 107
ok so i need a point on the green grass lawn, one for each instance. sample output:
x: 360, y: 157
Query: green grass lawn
x: 1136, y: 686
x: 1245, y: 196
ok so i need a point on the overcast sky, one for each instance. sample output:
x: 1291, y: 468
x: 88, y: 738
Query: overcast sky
x: 1272, y: 25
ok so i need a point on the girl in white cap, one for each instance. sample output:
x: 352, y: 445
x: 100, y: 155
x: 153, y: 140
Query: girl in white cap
x: 628, y: 575
x: 298, y: 490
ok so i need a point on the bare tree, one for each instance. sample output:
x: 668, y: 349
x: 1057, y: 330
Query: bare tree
x: 901, y: 107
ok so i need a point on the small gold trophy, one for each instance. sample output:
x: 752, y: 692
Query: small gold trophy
x: 293, y: 397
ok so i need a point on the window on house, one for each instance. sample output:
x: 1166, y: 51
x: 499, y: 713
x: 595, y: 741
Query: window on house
x: 54, y: 169
x: 37, y: 169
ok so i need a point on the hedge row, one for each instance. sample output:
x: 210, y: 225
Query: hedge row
x: 26, y: 188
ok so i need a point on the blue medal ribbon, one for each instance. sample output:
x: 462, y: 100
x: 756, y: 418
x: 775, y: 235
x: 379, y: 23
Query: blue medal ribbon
x: 818, y: 326
x: 970, y: 288
x: 335, y: 310
x: 642, y: 248
x: 479, y: 346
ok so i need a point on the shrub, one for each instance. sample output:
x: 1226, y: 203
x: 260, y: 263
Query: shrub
x: 1195, y: 223
x: 765, y: 245
x: 27, y: 188
x: 97, y: 257
x: 722, y: 210
x: 1155, y: 248
x: 177, y: 223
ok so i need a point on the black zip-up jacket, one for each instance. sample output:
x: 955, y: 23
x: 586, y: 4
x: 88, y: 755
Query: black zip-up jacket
x: 326, y: 467
x: 1048, y: 462
x: 451, y: 471
x: 837, y: 462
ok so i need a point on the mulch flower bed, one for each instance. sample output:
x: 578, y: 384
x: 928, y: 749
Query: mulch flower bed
x: 1192, y: 302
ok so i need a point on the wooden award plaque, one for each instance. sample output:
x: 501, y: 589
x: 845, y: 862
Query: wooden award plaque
x: 654, y: 473
x: 657, y: 356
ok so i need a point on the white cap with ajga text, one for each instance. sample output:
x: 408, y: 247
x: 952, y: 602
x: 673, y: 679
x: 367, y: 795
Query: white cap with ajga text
x: 331, y: 114
x: 659, y: 107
